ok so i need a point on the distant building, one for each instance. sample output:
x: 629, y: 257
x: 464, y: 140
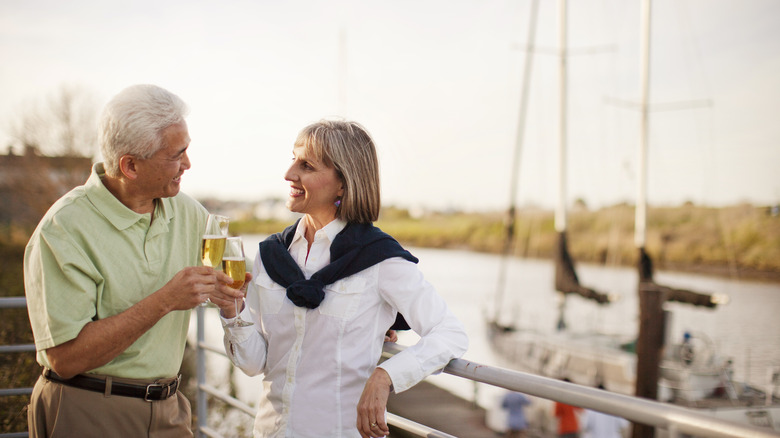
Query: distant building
x: 30, y: 183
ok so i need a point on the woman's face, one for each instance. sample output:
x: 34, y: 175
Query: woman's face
x: 314, y: 187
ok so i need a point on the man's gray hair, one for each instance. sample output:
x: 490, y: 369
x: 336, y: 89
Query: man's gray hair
x: 133, y: 121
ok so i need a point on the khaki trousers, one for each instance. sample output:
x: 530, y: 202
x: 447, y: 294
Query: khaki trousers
x: 60, y: 411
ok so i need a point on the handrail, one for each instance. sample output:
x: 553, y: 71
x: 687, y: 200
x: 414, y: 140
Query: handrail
x: 204, y: 389
x: 676, y: 419
x: 15, y: 303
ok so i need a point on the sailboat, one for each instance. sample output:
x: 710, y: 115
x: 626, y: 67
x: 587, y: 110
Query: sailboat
x: 689, y: 373
x: 566, y: 279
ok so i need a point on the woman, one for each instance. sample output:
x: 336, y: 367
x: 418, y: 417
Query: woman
x: 323, y: 295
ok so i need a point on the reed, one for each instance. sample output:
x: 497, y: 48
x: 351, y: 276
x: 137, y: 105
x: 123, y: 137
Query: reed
x: 740, y: 241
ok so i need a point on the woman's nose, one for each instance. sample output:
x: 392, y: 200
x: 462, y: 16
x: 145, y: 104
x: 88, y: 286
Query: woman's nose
x: 290, y: 175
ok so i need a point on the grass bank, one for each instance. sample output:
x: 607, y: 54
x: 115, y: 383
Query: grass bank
x: 740, y: 241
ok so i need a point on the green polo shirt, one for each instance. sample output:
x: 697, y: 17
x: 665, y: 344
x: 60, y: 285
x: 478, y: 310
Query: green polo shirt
x: 91, y: 257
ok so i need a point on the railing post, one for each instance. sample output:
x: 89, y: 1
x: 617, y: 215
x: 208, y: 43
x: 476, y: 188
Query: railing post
x: 200, y: 371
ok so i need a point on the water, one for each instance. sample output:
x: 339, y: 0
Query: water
x: 747, y: 329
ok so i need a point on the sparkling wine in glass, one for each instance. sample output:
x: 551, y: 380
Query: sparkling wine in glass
x: 234, y: 265
x: 214, y: 240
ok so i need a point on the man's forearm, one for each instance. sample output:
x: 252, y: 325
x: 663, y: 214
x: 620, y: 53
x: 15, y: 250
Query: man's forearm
x: 101, y: 341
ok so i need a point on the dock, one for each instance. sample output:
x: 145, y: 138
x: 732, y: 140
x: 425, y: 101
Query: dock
x: 428, y: 404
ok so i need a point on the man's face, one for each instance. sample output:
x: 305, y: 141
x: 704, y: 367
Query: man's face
x: 160, y: 175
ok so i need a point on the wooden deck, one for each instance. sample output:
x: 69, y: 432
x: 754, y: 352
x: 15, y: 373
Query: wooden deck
x: 435, y: 407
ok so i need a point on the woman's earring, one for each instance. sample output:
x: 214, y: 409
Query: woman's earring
x: 337, y: 203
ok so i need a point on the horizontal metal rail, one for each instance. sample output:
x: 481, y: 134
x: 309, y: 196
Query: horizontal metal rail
x: 19, y: 348
x: 676, y: 419
x: 227, y: 398
x: 203, y: 389
x: 15, y: 303
x: 415, y: 428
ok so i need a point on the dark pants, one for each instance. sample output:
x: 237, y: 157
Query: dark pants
x: 60, y: 411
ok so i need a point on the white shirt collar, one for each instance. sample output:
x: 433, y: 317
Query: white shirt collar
x: 331, y: 230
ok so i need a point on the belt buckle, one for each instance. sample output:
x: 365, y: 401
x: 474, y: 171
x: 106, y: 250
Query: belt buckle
x: 149, y: 387
x: 167, y: 386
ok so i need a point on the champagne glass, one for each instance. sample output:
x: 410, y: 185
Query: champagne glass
x: 214, y: 241
x: 234, y: 265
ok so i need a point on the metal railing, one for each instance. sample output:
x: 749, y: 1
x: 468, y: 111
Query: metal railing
x: 204, y: 390
x: 15, y: 303
x: 674, y: 419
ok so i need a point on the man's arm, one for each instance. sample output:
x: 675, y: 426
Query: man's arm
x: 101, y: 341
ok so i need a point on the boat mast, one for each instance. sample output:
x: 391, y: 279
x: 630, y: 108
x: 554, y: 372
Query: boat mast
x: 652, y: 296
x: 515, y: 170
x: 640, y: 220
x: 566, y: 280
x: 560, y: 211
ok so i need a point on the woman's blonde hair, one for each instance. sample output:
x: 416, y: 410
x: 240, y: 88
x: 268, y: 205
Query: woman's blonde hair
x: 347, y: 147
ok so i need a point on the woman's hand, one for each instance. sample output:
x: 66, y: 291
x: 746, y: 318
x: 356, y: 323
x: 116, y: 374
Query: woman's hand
x: 371, y: 407
x: 224, y: 296
x: 391, y: 336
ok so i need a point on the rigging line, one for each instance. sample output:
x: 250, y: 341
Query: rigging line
x: 515, y: 170
x: 704, y: 123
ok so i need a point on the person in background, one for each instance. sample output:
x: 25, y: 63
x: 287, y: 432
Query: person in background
x: 110, y: 275
x: 600, y: 425
x: 517, y: 423
x: 568, y: 424
x: 324, y: 293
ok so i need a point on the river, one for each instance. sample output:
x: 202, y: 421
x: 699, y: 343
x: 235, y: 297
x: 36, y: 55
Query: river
x: 747, y: 328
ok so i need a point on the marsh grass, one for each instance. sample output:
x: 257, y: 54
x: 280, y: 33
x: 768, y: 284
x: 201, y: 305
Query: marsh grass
x: 740, y: 241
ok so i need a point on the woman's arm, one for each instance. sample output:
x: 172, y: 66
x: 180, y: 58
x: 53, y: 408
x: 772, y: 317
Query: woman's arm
x: 442, y: 336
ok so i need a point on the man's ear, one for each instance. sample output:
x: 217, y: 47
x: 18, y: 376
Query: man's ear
x: 127, y: 166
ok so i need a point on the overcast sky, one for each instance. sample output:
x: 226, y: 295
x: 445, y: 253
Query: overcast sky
x: 437, y: 83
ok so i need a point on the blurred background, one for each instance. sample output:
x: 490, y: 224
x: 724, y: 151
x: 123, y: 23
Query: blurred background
x: 437, y: 83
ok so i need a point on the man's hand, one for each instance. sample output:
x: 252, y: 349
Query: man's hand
x: 189, y: 287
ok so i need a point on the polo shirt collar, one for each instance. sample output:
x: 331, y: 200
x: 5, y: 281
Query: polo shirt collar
x: 112, y: 209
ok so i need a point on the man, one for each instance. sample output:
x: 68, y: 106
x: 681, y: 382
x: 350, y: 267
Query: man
x: 111, y: 273
x: 568, y: 423
x: 517, y: 424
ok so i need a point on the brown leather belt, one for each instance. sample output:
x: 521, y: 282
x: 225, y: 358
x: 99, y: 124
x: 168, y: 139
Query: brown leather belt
x: 150, y: 392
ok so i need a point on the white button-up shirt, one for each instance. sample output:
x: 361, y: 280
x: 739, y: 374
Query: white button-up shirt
x: 315, y: 362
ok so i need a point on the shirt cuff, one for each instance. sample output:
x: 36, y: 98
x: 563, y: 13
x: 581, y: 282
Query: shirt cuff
x: 404, y: 371
x: 235, y: 333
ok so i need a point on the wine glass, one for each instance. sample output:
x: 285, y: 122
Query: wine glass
x: 214, y: 242
x: 234, y: 265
